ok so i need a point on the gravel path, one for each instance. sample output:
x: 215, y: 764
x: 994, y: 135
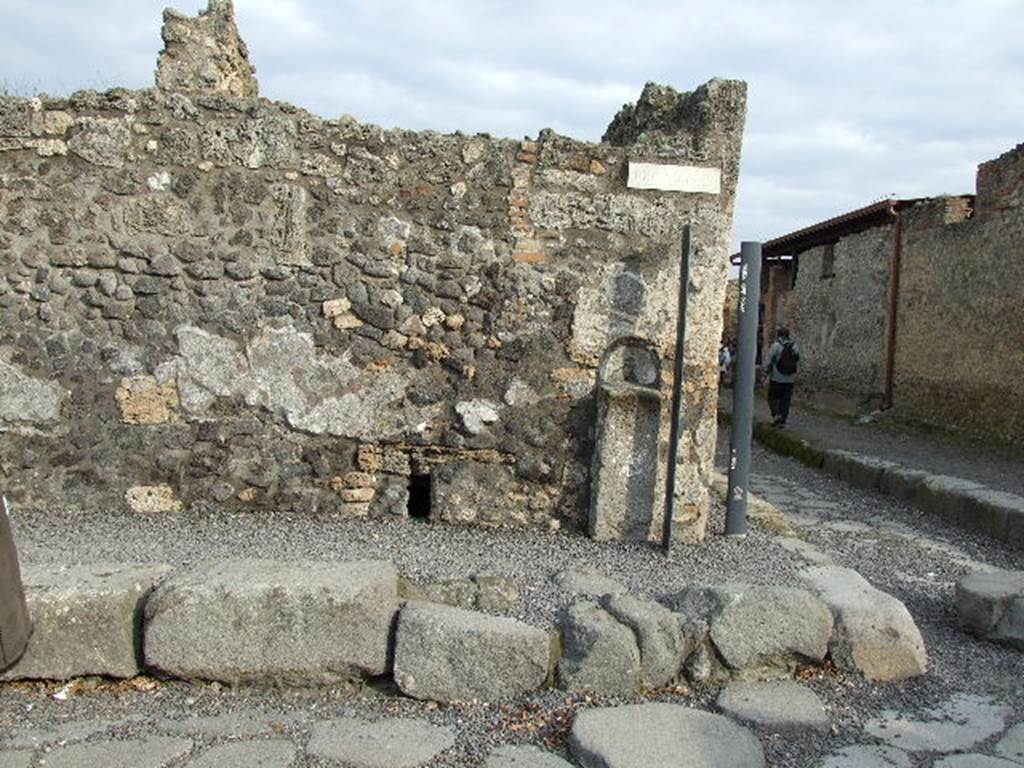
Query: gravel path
x: 897, y: 548
x: 885, y: 439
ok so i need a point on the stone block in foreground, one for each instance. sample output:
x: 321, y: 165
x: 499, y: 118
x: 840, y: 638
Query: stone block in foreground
x: 599, y: 653
x: 874, y: 632
x: 760, y: 631
x: 661, y: 736
x: 252, y: 620
x: 991, y: 606
x: 451, y: 654
x: 86, y: 620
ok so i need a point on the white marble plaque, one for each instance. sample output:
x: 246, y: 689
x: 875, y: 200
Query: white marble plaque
x: 674, y: 178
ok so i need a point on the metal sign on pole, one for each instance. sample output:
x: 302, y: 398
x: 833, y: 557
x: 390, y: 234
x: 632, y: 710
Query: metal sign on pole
x: 743, y: 390
x: 677, y: 395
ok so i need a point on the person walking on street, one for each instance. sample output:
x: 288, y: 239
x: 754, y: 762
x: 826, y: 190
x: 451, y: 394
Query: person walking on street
x: 781, y: 371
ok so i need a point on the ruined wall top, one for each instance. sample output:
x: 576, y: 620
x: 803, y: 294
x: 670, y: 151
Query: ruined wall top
x: 205, y: 53
x: 1000, y: 183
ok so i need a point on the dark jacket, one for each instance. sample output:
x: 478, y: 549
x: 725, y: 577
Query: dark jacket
x: 14, y: 624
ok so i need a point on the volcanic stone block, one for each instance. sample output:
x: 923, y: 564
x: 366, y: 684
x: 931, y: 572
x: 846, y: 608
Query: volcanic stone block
x: 874, y: 633
x: 252, y: 620
x: 663, y: 648
x: 661, y: 736
x: 450, y: 654
x: 991, y: 606
x: 87, y: 620
x: 757, y: 630
x: 598, y: 653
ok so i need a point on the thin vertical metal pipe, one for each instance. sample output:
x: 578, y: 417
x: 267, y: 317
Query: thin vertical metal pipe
x: 677, y: 394
x: 743, y: 391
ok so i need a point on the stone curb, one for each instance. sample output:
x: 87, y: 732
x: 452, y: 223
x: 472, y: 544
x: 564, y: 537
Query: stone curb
x: 956, y: 500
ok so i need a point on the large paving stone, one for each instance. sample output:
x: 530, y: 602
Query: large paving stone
x: 661, y: 643
x: 399, y: 743
x: 1011, y: 746
x: 598, y: 653
x: 152, y: 752
x: 236, y: 725
x: 524, y: 756
x: 866, y: 756
x: 955, y: 726
x: 661, y: 736
x: 87, y: 620
x: 782, y: 705
x: 874, y: 632
x: 251, y: 620
x: 991, y: 606
x: 450, y: 654
x: 276, y: 753
x: 20, y: 758
x: 973, y: 760
x: 760, y: 630
x: 69, y: 732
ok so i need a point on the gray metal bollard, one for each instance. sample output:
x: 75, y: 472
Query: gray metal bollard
x: 15, y: 627
x: 743, y: 391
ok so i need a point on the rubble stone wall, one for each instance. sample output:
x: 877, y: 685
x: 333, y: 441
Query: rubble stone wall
x: 960, y: 346
x: 213, y: 298
x: 838, y: 315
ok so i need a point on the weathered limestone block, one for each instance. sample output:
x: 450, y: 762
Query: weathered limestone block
x: 991, y: 606
x: 251, y: 620
x: 450, y: 654
x: 661, y: 736
x: 143, y: 400
x: 760, y: 631
x: 874, y: 632
x: 482, y: 592
x: 87, y: 620
x: 101, y: 141
x: 147, y: 499
x: 856, y: 469
x: 205, y: 53
x: 598, y: 653
x: 465, y: 491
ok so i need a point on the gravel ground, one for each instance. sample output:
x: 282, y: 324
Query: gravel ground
x: 956, y: 455
x: 892, y: 545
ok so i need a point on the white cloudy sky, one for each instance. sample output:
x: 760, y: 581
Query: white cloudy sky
x: 848, y: 102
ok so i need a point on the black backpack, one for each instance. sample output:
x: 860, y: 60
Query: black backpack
x: 787, y: 360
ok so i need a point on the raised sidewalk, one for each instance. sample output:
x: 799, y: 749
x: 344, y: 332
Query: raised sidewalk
x: 967, y: 483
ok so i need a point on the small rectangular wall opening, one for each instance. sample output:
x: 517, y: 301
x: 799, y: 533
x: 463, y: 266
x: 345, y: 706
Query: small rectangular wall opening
x: 419, y: 497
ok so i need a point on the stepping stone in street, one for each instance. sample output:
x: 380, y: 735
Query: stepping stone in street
x: 1011, y: 746
x: 957, y: 725
x: 399, y: 743
x: 278, y: 753
x: 991, y: 606
x: 782, y: 706
x: 661, y: 736
x: 524, y: 756
x: 974, y: 761
x: 867, y: 756
x: 154, y: 752
x: 66, y: 733
x: 874, y: 632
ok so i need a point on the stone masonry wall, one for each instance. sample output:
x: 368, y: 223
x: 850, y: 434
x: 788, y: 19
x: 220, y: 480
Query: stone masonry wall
x: 213, y: 298
x: 838, y: 315
x: 960, y: 345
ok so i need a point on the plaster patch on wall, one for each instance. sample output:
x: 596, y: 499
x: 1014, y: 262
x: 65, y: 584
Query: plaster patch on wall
x: 143, y: 400
x: 674, y: 178
x: 281, y: 370
x: 152, y: 498
x: 26, y: 401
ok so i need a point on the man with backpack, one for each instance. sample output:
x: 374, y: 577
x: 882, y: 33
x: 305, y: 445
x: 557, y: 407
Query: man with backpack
x: 781, y: 370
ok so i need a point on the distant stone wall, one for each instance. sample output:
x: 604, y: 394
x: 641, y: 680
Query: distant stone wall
x: 960, y: 346
x: 210, y: 297
x: 838, y: 310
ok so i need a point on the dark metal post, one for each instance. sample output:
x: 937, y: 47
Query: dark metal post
x: 14, y: 622
x: 677, y: 395
x: 743, y: 391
